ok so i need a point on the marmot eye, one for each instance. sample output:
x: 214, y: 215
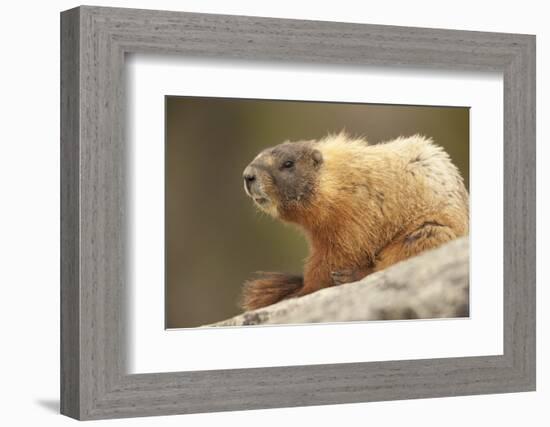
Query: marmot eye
x: 288, y: 164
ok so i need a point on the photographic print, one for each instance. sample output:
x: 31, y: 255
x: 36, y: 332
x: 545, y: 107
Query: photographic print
x: 316, y: 243
x: 272, y: 202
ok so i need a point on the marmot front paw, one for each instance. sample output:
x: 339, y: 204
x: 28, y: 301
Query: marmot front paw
x: 344, y: 276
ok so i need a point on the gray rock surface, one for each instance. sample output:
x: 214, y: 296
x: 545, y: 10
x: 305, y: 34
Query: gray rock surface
x: 434, y: 284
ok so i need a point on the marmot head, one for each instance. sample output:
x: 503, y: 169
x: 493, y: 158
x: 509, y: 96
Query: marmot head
x: 282, y: 178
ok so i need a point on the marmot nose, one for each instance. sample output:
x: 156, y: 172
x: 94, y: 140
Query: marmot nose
x: 249, y: 177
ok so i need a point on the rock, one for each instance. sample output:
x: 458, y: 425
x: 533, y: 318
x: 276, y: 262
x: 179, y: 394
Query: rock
x: 434, y: 284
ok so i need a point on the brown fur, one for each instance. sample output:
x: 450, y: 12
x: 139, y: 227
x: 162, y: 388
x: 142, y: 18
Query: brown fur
x: 362, y: 208
x: 268, y: 288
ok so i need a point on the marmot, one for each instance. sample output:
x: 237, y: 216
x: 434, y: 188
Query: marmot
x: 362, y: 207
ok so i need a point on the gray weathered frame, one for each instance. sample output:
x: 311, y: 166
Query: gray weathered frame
x: 94, y: 41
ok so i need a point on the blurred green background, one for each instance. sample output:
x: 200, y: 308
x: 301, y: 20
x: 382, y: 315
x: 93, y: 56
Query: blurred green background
x: 215, y: 237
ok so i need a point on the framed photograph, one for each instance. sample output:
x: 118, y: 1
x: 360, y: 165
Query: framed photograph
x: 261, y: 213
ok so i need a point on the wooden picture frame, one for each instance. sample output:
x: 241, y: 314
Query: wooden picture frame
x: 94, y: 382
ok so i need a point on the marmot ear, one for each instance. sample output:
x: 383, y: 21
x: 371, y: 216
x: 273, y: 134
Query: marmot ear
x: 317, y: 157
